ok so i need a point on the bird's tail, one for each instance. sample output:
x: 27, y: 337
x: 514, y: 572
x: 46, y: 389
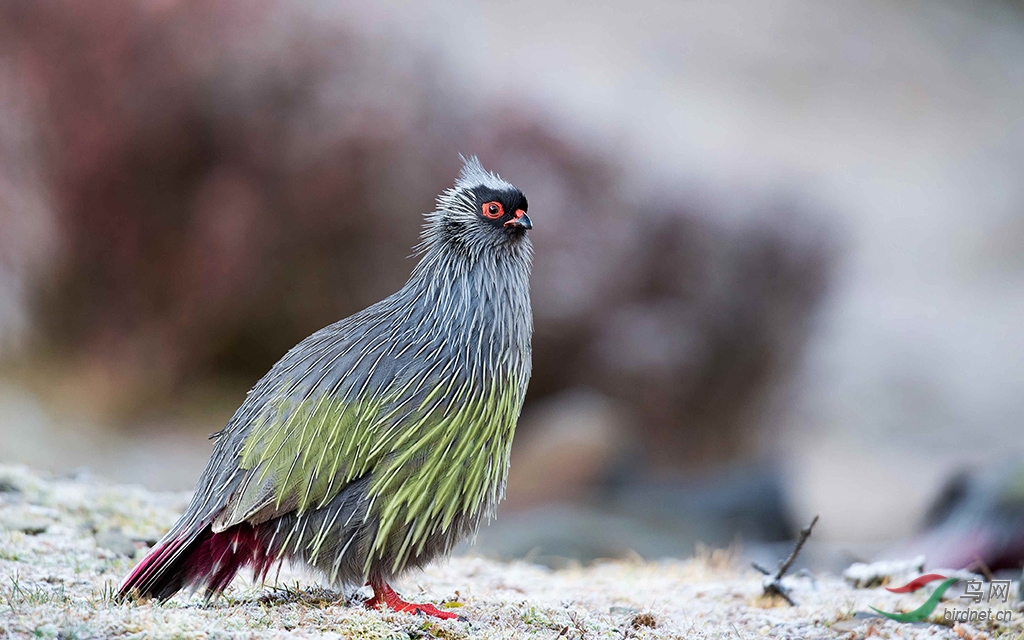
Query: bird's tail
x: 198, y: 559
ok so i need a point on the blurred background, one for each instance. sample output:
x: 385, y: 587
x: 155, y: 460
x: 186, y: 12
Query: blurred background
x: 779, y: 247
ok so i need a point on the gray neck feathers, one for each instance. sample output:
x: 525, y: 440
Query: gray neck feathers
x: 477, y: 295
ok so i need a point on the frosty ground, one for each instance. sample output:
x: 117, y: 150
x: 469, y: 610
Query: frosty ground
x: 66, y: 542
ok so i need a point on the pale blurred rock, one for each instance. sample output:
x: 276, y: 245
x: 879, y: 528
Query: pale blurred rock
x: 30, y: 526
x: 862, y: 574
x: 113, y: 539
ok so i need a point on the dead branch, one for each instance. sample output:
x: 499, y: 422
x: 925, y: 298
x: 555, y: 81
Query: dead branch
x: 773, y: 583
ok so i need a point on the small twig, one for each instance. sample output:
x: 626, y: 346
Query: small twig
x: 773, y: 583
x: 574, y: 619
x: 983, y: 568
x: 804, y: 534
x: 760, y: 568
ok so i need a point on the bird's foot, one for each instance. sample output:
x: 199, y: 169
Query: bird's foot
x: 385, y: 596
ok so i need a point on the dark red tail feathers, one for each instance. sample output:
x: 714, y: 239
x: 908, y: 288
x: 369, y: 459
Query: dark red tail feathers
x: 205, y: 559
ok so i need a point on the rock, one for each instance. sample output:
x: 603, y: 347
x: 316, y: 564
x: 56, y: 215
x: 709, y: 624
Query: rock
x: 851, y: 625
x: 30, y: 526
x: 865, y: 575
x: 115, y: 540
x: 885, y: 572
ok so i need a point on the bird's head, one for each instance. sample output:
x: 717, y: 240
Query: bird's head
x: 481, y: 211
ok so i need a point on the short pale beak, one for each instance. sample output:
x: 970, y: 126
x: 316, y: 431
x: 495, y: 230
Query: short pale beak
x: 521, y: 221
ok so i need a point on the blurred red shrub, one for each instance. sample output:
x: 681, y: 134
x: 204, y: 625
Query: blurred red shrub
x: 227, y: 177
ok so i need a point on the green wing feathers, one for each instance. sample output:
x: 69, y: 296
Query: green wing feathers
x: 433, y: 454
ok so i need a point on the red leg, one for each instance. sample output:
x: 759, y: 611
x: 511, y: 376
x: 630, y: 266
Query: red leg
x: 384, y: 595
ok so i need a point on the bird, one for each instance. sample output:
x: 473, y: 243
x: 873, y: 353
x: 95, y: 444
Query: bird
x: 976, y: 521
x: 380, y: 441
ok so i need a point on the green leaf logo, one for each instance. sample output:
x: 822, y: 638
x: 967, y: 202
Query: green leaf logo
x: 925, y: 610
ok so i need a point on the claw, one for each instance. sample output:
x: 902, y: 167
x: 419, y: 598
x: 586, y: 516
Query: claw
x: 384, y: 596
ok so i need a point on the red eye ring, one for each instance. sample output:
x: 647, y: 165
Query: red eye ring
x: 492, y: 210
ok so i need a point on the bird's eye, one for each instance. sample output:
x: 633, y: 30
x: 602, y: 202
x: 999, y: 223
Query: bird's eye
x: 493, y: 210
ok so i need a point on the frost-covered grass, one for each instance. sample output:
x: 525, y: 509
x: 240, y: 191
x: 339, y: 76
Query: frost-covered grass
x: 64, y: 545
